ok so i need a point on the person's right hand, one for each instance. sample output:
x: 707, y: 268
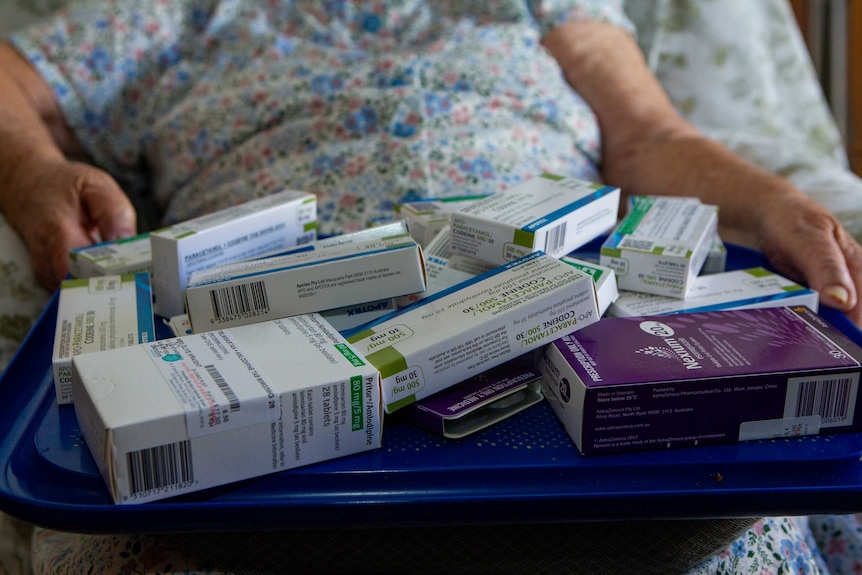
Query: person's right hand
x: 57, y: 204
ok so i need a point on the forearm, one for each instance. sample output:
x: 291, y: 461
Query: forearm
x: 647, y: 147
x: 32, y: 129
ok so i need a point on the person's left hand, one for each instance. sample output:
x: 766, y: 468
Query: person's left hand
x: 803, y: 241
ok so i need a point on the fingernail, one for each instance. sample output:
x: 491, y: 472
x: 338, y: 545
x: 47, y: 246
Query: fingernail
x: 838, y: 293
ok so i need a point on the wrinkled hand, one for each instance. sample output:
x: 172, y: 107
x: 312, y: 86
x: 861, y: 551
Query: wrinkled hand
x: 56, y: 205
x: 803, y: 241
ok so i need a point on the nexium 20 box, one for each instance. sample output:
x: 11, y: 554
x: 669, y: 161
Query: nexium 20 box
x: 476, y: 325
x: 550, y: 213
x: 270, y: 223
x: 658, y: 382
x: 187, y: 413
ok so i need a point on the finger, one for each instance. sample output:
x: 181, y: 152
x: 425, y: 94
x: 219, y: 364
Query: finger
x: 50, y: 255
x: 106, y: 206
x: 835, y: 272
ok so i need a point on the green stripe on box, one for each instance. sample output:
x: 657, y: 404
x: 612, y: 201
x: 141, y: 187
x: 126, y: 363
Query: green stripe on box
x: 612, y: 252
x: 630, y: 223
x: 357, y: 413
x: 758, y: 272
x: 524, y: 238
x: 75, y: 283
x: 388, y: 361
x: 553, y: 177
x: 360, y: 336
x: 793, y: 288
x: 354, y: 359
x: 309, y: 226
x: 403, y: 402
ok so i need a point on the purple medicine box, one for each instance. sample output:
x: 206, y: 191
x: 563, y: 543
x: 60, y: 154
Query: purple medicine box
x: 479, y: 401
x: 638, y: 383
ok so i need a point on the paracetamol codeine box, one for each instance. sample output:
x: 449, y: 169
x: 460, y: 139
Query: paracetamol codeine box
x: 351, y: 269
x: 266, y: 224
x: 476, y: 325
x: 661, y: 244
x: 425, y: 218
x: 656, y: 382
x: 549, y: 213
x: 187, y: 413
x: 126, y: 256
x: 738, y: 289
x: 99, y: 313
x: 604, y: 278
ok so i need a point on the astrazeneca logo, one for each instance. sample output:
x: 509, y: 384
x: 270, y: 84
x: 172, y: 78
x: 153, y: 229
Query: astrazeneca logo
x: 657, y: 328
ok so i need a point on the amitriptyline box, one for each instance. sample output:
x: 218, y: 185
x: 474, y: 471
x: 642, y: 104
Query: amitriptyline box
x: 184, y: 414
x: 479, y: 401
x: 270, y: 223
x: 126, y: 256
x: 661, y: 244
x: 99, y: 313
x: 550, y: 213
x: 738, y: 289
x: 425, y: 218
x: 657, y: 382
x: 457, y: 333
x: 604, y: 278
x: 347, y: 270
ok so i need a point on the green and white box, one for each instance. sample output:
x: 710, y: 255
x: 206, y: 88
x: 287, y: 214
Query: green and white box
x: 479, y: 324
x: 604, y: 278
x: 350, y: 269
x: 661, y: 244
x: 550, y: 213
x: 351, y: 316
x: 126, y: 256
x: 95, y: 314
x: 188, y: 413
x: 425, y: 218
x: 739, y: 289
x: 270, y: 223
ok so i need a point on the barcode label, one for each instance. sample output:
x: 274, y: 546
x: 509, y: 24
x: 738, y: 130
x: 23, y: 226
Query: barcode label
x: 233, y: 400
x: 555, y: 238
x: 633, y: 244
x: 832, y: 397
x: 239, y: 301
x: 160, y: 467
x: 439, y: 246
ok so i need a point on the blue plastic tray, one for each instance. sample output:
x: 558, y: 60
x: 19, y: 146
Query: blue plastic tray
x: 524, y: 469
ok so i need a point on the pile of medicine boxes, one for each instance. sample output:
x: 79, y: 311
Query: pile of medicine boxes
x: 289, y: 349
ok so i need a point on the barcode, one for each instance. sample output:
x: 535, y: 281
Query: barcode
x: 644, y: 245
x: 828, y: 398
x: 439, y: 249
x: 233, y: 400
x: 555, y: 238
x: 239, y: 300
x: 160, y: 467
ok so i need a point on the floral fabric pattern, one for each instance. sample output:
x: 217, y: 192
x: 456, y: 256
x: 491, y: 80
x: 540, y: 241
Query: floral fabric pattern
x: 412, y: 122
x: 363, y: 103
